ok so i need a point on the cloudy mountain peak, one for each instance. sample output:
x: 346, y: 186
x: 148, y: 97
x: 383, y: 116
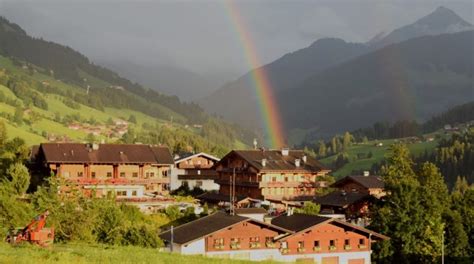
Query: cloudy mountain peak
x: 442, y: 20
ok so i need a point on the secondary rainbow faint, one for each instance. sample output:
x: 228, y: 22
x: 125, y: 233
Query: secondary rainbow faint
x: 267, y: 105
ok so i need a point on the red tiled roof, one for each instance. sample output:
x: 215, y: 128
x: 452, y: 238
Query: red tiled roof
x: 105, y: 153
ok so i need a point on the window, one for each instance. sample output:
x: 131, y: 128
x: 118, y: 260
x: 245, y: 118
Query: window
x: 316, y: 243
x: 109, y: 174
x: 361, y: 241
x: 134, y: 193
x: 254, y: 239
x: 219, y: 243
x: 274, y: 179
x: 122, y: 174
x: 198, y: 183
x: 80, y: 174
x: 346, y: 242
x: 135, y: 174
x: 121, y: 193
x: 301, y: 244
x: 152, y: 174
x: 164, y: 173
x: 93, y: 174
x: 286, y: 179
x: 165, y: 187
x: 332, y: 243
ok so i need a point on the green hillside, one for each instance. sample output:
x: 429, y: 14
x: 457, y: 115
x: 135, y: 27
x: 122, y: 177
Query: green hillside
x: 362, y: 156
x: 38, y: 108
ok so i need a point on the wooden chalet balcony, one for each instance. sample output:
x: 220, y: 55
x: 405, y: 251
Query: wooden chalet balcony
x: 116, y: 181
x: 290, y: 184
x: 197, y: 177
x: 238, y: 183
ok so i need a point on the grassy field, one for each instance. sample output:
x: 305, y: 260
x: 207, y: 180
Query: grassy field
x: 92, y: 253
x: 378, y: 154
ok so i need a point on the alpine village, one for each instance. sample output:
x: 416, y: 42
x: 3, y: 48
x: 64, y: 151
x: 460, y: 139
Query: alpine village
x: 96, y: 168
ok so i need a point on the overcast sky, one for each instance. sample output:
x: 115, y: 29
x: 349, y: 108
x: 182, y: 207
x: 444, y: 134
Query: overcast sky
x: 199, y: 35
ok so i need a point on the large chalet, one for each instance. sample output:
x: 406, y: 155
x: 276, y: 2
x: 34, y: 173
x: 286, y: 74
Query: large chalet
x: 286, y: 238
x: 274, y: 175
x: 124, y: 170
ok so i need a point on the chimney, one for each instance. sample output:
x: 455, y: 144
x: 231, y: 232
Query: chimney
x: 285, y: 151
x: 289, y: 211
x: 366, y: 173
x: 95, y: 146
x: 264, y: 162
x: 255, y: 143
x: 267, y: 220
x: 297, y: 162
x: 304, y: 158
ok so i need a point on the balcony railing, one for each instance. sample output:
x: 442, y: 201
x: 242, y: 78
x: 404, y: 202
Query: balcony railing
x: 116, y: 181
x: 270, y: 244
x: 347, y: 247
x: 235, y: 245
x: 317, y: 249
x: 301, y: 250
x: 218, y: 246
x: 332, y: 248
x: 362, y: 246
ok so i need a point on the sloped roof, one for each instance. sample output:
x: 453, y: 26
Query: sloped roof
x: 188, y: 156
x: 368, y: 182
x: 340, y: 198
x: 301, y: 222
x: 250, y: 211
x: 298, y: 222
x: 105, y: 153
x: 202, y: 227
x: 276, y: 161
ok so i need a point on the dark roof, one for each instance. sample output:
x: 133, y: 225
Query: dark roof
x: 105, y: 153
x: 185, y: 156
x: 250, y: 211
x: 340, y: 198
x: 217, y: 197
x: 298, y: 222
x: 366, y: 181
x: 276, y: 161
x: 34, y: 152
x: 202, y: 227
x: 210, y: 224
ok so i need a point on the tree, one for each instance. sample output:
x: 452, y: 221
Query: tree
x: 18, y: 116
x: 309, y: 208
x: 456, y: 239
x: 18, y: 178
x: 90, y: 138
x: 347, y: 140
x: 408, y: 214
x: 3, y: 134
x: 132, y: 119
x: 322, y: 149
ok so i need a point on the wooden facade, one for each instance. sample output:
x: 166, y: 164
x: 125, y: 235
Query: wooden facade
x: 292, y: 178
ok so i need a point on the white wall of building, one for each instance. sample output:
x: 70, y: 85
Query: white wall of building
x: 207, y: 185
x: 129, y: 189
x: 193, y: 248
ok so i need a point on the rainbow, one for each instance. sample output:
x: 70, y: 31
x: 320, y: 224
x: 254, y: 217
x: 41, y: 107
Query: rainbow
x: 267, y: 104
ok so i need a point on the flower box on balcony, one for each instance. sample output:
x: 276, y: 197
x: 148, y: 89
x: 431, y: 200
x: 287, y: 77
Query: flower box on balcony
x: 347, y: 247
x: 270, y: 244
x: 301, y: 249
x: 362, y: 246
x: 235, y: 245
x: 254, y: 244
x: 316, y: 248
x: 285, y: 250
x: 218, y: 246
x: 332, y: 248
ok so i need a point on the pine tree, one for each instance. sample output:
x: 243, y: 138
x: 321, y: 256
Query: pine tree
x: 18, y: 178
x: 322, y: 149
x: 347, y: 140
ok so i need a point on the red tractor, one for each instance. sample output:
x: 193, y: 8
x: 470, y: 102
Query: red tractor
x: 34, y: 233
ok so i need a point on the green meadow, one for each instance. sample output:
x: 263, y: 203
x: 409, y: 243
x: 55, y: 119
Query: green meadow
x: 95, y: 253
